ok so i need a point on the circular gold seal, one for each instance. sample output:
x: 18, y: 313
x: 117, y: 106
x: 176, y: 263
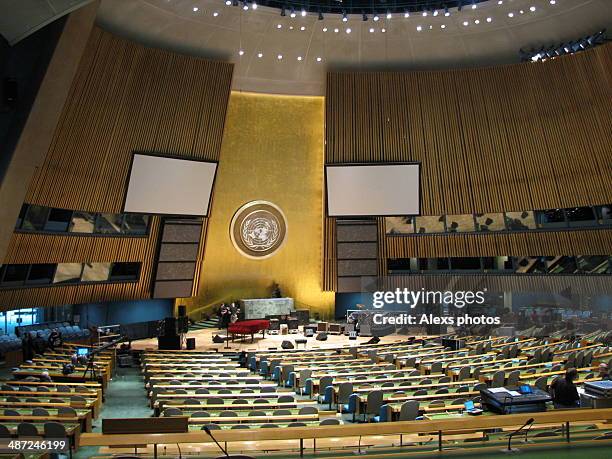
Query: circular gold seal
x: 258, y: 229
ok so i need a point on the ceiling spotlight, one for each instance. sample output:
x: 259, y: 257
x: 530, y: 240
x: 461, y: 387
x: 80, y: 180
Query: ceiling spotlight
x: 279, y: 57
x: 489, y: 19
x: 320, y: 16
x: 195, y: 9
x: 532, y: 8
x: 348, y: 30
x: 245, y: 6
x: 446, y: 12
x: 424, y: 13
x: 500, y: 2
x: 465, y: 23
x: 215, y: 14
x: 241, y: 52
x: 260, y: 55
x: 376, y: 18
x: 477, y: 21
x: 473, y: 4
x: 435, y: 13
x: 279, y: 26
x: 319, y: 59
x: 406, y: 14
x: 522, y: 11
x: 228, y: 2
x: 443, y: 26
x: 324, y: 29
x: 419, y: 28
x: 292, y: 13
x: 302, y: 28
x: 290, y: 27
x: 344, y: 17
x: 389, y: 16
x: 510, y: 14
x: 383, y: 30
x: 553, y: 2
x: 303, y: 12
x: 254, y: 6
x: 299, y: 58
x: 336, y: 30
x: 371, y: 29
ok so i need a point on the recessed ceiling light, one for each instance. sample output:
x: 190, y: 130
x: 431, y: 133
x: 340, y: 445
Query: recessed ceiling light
x: 389, y: 16
x: 376, y: 18
x: 319, y: 59
x: 511, y: 14
x: 344, y: 17
x: 522, y: 11
x: 228, y: 2
x: 324, y: 29
x: 254, y: 6
x: 474, y: 6
x: 336, y: 30
x: 241, y: 52
x: 302, y: 28
x: 348, y: 30
x: 553, y: 2
x: 532, y: 8
x: 430, y: 27
x: 290, y: 27
x: 371, y: 30
x: 383, y: 30
x: 477, y: 21
x: 299, y: 58
x: 279, y: 26
x: 424, y: 13
x: 260, y: 55
x: 500, y: 2
x: 406, y: 14
x: 419, y: 28
x: 279, y: 57
x: 443, y: 26
x: 465, y: 23
x: 489, y: 19
x: 447, y: 14
x: 215, y: 14
x: 303, y: 13
x: 195, y: 9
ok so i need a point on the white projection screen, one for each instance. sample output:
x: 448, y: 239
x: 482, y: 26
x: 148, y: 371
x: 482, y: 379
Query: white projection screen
x: 373, y: 190
x: 169, y: 186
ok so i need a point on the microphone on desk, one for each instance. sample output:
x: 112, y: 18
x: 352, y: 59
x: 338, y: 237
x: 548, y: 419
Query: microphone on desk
x: 223, y: 450
x: 529, y: 422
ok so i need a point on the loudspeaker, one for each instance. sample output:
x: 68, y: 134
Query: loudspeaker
x: 217, y: 339
x: 374, y: 340
x: 10, y: 91
x: 169, y: 343
x: 182, y: 311
x: 190, y: 344
x: 287, y: 345
x: 183, y: 324
x: 169, y: 328
x: 308, y: 332
x: 321, y: 337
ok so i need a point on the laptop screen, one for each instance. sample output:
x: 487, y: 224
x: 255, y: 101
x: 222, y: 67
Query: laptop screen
x: 469, y: 405
x: 82, y: 351
x: 525, y: 389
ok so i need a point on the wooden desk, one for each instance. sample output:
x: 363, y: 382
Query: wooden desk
x: 83, y: 418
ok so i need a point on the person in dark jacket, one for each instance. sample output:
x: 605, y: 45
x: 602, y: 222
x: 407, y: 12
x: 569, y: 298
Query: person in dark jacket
x: 27, y: 347
x: 39, y: 343
x: 55, y: 339
x: 564, y: 392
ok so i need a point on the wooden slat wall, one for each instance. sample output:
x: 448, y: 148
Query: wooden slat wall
x: 124, y: 98
x: 509, y: 138
x: 548, y: 243
x: 330, y: 268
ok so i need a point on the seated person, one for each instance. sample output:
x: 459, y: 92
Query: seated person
x: 564, y: 392
x: 44, y: 376
x: 55, y: 339
x: 604, y: 374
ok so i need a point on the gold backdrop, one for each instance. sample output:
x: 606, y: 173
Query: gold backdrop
x: 272, y: 150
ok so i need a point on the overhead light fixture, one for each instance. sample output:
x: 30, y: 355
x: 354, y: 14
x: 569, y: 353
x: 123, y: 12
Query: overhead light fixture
x: 245, y: 6
x: 376, y: 18
x: 324, y: 29
x: 435, y: 13
x: 303, y: 13
x: 228, y: 2
x: 215, y: 14
x: 407, y: 14
x: 254, y: 6
x: 241, y: 52
x: 465, y: 23
x: 446, y: 12
x: 477, y: 21
x: 260, y: 55
x: 319, y: 59
x: 195, y: 9
x: 371, y: 29
x: 489, y: 19
x: 302, y: 28
x: 553, y: 2
x: 279, y: 26
x: 443, y: 26
x: 348, y: 30
x: 279, y: 57
x: 532, y: 8
x: 424, y: 13
x: 474, y: 4
x: 336, y: 30
x: 292, y: 15
x: 383, y: 30
x: 419, y: 28
x: 344, y: 17
x: 510, y: 14
x: 389, y: 15
x: 299, y: 58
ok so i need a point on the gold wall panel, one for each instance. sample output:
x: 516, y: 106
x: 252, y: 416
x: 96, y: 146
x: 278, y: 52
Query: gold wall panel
x: 272, y: 150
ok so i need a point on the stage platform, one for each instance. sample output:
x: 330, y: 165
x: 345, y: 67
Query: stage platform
x: 204, y: 341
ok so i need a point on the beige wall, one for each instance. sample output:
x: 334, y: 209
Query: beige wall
x: 272, y: 150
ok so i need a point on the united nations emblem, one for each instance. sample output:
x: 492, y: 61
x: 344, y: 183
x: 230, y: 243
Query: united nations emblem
x: 258, y: 229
